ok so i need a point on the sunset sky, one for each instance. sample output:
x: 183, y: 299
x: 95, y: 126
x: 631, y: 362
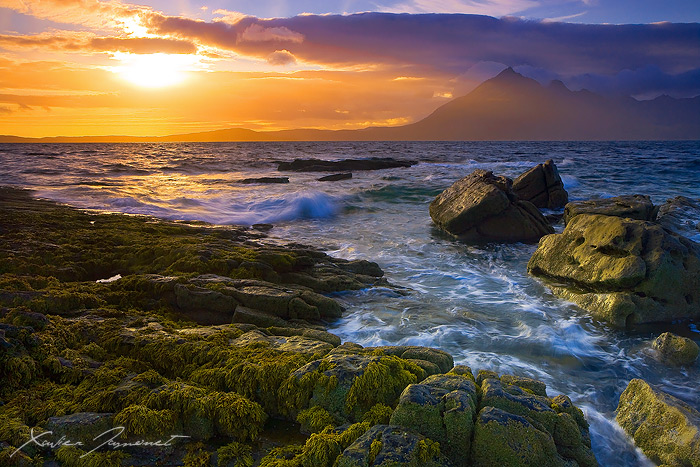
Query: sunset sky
x: 87, y: 67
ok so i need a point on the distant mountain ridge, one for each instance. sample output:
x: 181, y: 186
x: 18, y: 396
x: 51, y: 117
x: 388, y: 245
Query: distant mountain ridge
x: 507, y: 107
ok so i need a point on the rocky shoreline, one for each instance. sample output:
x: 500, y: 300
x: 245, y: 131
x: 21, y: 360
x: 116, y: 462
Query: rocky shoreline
x: 218, y: 334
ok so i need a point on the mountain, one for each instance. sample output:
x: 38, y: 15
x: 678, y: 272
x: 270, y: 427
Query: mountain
x: 507, y: 107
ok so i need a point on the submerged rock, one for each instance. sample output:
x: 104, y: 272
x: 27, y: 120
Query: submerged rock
x: 336, y: 177
x: 347, y: 165
x: 676, y: 350
x: 265, y: 180
x: 623, y: 271
x: 637, y: 207
x: 542, y: 186
x: 666, y: 429
x: 482, y: 207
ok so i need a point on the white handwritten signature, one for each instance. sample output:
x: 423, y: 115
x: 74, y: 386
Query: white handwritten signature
x: 109, y: 442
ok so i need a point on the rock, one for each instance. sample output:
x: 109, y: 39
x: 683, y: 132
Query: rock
x: 81, y: 426
x: 441, y: 408
x: 205, y: 306
x: 262, y: 227
x: 336, y: 177
x: 676, y: 350
x: 348, y: 385
x: 483, y: 208
x: 265, y: 180
x: 256, y: 317
x: 385, y: 445
x: 680, y: 215
x: 440, y: 358
x: 295, y: 344
x: 637, y: 207
x: 666, y: 429
x: 347, y: 165
x: 542, y: 186
x: 621, y: 270
x: 502, y: 438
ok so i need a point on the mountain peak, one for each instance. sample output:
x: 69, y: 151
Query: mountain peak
x: 558, y: 85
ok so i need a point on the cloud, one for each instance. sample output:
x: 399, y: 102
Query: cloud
x: 85, y: 12
x: 477, y: 7
x: 281, y: 57
x: 258, y: 33
x: 644, y: 82
x: 87, y: 42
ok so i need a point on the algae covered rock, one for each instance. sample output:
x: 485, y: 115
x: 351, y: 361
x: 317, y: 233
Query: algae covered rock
x: 637, y: 207
x: 442, y: 408
x: 482, y: 207
x: 542, y: 186
x: 665, y: 428
x: 676, y: 350
x: 81, y: 426
x: 623, y: 271
x: 388, y: 446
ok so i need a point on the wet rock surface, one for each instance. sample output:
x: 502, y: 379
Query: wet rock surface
x: 637, y: 207
x: 676, y: 350
x: 482, y: 207
x: 681, y: 215
x: 624, y: 271
x: 542, y: 186
x: 666, y: 429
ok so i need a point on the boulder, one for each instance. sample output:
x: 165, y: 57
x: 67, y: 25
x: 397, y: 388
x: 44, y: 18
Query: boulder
x: 385, y: 446
x: 345, y: 165
x: 621, y: 270
x: 482, y: 207
x: 666, y: 429
x: 441, y: 408
x: 680, y: 215
x: 676, y: 350
x: 204, y: 306
x: 336, y: 177
x: 542, y: 186
x: 637, y: 207
x: 295, y: 344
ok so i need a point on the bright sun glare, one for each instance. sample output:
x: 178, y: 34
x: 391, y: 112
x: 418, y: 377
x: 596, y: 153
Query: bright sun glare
x: 154, y: 70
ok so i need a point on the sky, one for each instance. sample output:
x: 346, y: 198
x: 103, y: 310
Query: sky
x: 89, y: 67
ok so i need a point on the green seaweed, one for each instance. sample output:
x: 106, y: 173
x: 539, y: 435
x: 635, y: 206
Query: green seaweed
x: 234, y: 455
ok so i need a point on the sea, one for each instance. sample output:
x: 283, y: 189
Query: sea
x: 476, y: 302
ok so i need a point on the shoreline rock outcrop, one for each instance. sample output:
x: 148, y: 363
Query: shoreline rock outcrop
x: 482, y: 207
x: 542, y: 186
x: 345, y: 165
x: 637, y: 207
x: 622, y: 270
x: 129, y: 353
x: 676, y: 350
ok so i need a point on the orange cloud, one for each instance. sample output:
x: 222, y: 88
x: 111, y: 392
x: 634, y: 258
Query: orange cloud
x: 87, y: 42
x: 281, y: 57
x: 85, y: 12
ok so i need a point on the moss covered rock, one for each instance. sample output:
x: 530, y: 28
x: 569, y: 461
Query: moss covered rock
x: 665, y: 428
x: 442, y: 408
x: 623, y: 271
x: 482, y: 207
x: 676, y: 350
x: 637, y: 207
x: 385, y: 445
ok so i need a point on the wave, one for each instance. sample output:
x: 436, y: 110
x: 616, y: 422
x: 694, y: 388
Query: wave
x: 286, y: 208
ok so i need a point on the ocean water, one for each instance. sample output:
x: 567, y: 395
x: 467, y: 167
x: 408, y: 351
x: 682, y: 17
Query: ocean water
x: 477, y: 303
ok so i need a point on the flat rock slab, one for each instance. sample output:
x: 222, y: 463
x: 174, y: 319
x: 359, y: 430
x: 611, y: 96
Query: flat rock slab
x: 265, y: 180
x: 336, y: 177
x: 347, y: 165
x: 637, y: 207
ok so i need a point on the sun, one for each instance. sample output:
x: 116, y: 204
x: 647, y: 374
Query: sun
x: 155, y: 70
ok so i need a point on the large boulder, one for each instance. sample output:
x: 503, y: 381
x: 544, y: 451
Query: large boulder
x: 676, y: 350
x: 542, y: 186
x: 637, y: 207
x: 665, y: 428
x: 482, y: 207
x: 623, y: 271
